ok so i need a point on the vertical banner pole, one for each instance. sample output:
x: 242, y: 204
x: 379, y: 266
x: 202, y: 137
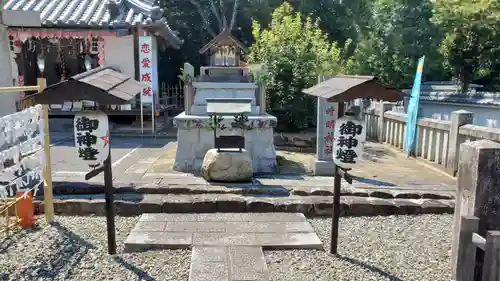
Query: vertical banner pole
x: 336, y: 210
x: 48, y: 201
x: 110, y: 208
x: 337, y: 181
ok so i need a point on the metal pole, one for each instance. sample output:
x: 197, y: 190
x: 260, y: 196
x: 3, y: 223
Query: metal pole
x: 153, y: 115
x: 337, y: 181
x: 142, y: 120
x: 110, y: 210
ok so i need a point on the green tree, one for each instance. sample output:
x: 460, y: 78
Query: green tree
x: 472, y: 36
x: 340, y: 20
x: 293, y: 51
x: 400, y: 32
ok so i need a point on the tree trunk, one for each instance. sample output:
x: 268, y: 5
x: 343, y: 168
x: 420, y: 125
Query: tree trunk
x: 214, y: 10
x: 223, y: 12
x: 465, y: 76
x: 233, y: 16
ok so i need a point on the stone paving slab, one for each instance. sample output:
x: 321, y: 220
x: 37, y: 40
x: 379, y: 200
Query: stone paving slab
x: 209, y: 254
x: 225, y: 239
x: 203, y: 271
x: 275, y: 240
x: 288, y: 241
x: 224, y: 217
x: 226, y: 246
x: 228, y: 263
x: 263, y: 227
x: 196, y: 226
x: 156, y: 240
x: 283, y: 230
x: 247, y: 263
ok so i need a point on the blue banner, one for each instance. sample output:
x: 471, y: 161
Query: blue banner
x: 413, y: 105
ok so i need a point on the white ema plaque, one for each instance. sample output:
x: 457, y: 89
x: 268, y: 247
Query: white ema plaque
x: 92, y: 137
x: 349, y: 137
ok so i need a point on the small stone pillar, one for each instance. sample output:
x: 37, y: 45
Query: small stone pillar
x: 327, y: 115
x: 188, y: 87
x: 458, y: 119
x: 478, y: 188
x: 382, y: 107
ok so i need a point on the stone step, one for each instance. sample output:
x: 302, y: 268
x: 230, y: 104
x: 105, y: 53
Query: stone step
x: 132, y: 204
x: 323, y: 189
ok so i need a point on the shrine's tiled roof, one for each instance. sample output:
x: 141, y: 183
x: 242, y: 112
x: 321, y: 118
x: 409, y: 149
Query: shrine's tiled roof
x: 96, y: 14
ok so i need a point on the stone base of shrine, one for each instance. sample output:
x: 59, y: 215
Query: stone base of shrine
x: 323, y: 168
x: 195, y: 138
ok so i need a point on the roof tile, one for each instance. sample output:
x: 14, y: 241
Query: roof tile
x: 92, y: 13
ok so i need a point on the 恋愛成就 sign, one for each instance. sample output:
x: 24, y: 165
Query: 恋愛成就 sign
x: 349, y: 138
x: 92, y: 137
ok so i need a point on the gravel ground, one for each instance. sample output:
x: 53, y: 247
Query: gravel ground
x: 395, y: 248
x: 76, y: 249
x: 402, y: 248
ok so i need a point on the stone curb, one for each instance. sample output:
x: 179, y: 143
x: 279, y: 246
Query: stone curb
x: 407, y: 192
x: 136, y: 204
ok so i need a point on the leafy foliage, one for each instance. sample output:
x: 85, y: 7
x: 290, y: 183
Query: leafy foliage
x: 472, y: 36
x: 401, y: 31
x: 294, y: 51
x: 460, y: 38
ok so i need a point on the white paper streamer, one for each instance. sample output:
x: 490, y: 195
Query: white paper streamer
x: 32, y: 178
x: 21, y: 155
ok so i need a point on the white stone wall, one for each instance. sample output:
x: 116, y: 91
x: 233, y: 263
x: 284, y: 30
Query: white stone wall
x: 484, y: 115
x: 119, y: 53
x: 194, y: 139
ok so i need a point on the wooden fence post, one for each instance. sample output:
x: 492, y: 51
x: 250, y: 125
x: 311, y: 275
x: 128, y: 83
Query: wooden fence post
x: 466, y: 252
x: 491, y: 265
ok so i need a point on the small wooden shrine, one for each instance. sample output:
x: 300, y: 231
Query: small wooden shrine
x: 224, y: 50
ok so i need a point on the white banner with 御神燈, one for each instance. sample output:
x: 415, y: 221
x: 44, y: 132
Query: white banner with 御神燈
x: 349, y: 137
x: 92, y: 137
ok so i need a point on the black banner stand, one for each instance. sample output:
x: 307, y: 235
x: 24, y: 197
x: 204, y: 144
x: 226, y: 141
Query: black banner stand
x: 109, y: 198
x: 339, y: 174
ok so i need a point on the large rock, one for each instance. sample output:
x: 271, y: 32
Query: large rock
x: 227, y: 166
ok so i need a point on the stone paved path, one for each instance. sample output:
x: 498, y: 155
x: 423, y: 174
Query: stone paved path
x: 136, y: 160
x: 226, y: 246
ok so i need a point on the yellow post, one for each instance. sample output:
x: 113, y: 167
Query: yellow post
x: 47, y: 171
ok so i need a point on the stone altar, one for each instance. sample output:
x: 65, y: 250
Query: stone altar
x: 223, y: 78
x: 195, y: 138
